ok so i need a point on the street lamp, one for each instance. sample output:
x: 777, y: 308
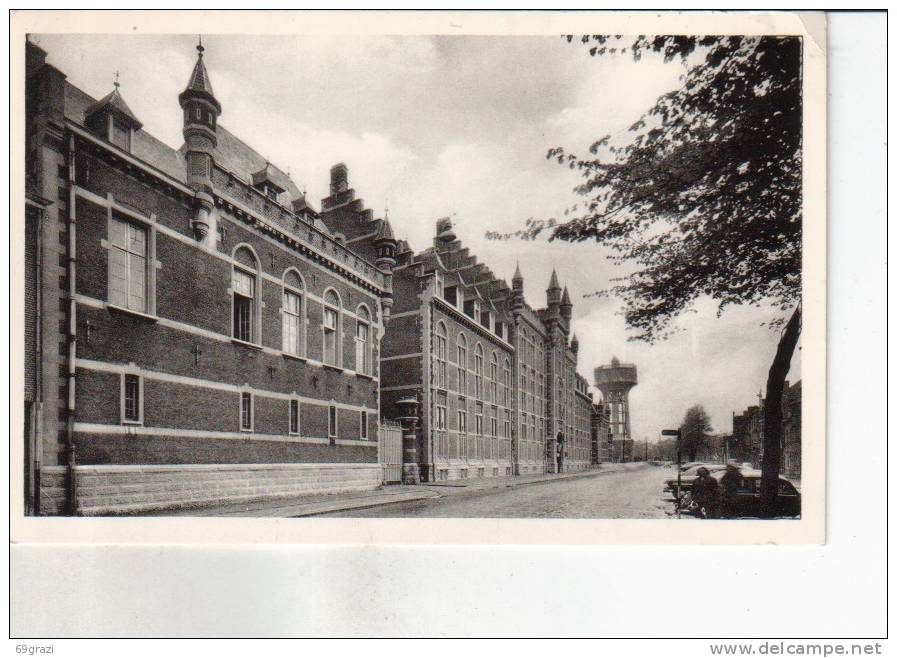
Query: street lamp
x: 678, y: 435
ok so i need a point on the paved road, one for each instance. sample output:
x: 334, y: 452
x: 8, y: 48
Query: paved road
x: 632, y: 494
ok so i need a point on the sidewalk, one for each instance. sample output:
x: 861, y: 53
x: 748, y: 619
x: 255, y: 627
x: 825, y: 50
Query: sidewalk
x: 324, y: 503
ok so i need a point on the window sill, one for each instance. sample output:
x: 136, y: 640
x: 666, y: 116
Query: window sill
x: 295, y: 357
x: 364, y: 376
x: 252, y: 346
x: 329, y: 366
x: 132, y: 423
x: 113, y: 308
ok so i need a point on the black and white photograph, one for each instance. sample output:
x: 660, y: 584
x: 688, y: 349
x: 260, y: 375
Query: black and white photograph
x: 353, y: 280
x: 286, y: 276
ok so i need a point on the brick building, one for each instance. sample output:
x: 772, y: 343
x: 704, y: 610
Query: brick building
x: 602, y: 445
x: 195, y: 330
x: 747, y: 432
x: 492, y: 383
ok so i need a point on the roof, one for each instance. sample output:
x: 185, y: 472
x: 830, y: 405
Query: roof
x: 553, y: 284
x: 200, y: 83
x: 114, y: 101
x: 234, y: 154
x: 143, y: 145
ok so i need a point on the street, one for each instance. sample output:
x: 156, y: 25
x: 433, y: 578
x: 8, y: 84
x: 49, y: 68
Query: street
x: 632, y: 494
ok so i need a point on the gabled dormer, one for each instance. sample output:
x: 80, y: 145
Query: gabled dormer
x: 111, y: 119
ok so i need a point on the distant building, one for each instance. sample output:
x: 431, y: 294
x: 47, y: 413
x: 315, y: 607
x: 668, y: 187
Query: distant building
x: 601, y: 435
x: 747, y: 432
x: 615, y: 381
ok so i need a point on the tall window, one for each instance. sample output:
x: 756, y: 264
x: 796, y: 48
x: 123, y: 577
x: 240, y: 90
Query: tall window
x: 331, y: 328
x: 506, y: 380
x: 363, y: 341
x: 507, y: 424
x: 493, y: 377
x: 478, y: 419
x: 493, y: 423
x: 440, y: 348
x: 364, y: 424
x: 478, y: 372
x: 462, y: 418
x: 440, y: 416
x: 462, y: 364
x: 292, y: 314
x: 245, y: 290
x: 332, y: 421
x: 131, y: 411
x: 246, y: 412
x: 127, y: 264
x: 294, y: 416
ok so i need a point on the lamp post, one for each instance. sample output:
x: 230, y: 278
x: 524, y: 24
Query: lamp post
x: 678, y: 434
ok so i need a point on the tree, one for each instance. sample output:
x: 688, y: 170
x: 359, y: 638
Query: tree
x: 703, y: 198
x: 695, y: 429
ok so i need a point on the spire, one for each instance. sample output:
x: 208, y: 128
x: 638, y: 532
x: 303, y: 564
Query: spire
x: 517, y: 275
x: 565, y: 298
x: 200, y: 84
x: 384, y: 231
x: 553, y: 283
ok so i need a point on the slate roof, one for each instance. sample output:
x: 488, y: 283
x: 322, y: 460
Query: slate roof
x: 114, y: 100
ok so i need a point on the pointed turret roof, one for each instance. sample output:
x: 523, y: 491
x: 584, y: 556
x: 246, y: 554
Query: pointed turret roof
x: 114, y: 102
x: 384, y: 231
x: 553, y: 284
x: 517, y: 275
x: 200, y: 84
x: 574, y: 339
x: 565, y: 298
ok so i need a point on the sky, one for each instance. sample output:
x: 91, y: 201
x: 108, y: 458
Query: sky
x: 452, y: 126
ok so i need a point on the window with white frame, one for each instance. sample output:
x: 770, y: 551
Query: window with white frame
x: 493, y: 377
x: 441, y: 412
x: 293, y: 325
x: 246, y: 411
x: 493, y: 423
x: 478, y: 372
x: 244, y: 285
x: 330, y: 328
x: 440, y: 348
x: 462, y: 417
x: 132, y: 399
x: 332, y: 421
x: 507, y: 425
x: 128, y: 247
x: 363, y: 434
x: 294, y: 417
x: 462, y: 364
x: 363, y: 341
x: 478, y: 419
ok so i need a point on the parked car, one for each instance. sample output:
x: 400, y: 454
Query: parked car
x: 689, y: 476
x: 747, y: 497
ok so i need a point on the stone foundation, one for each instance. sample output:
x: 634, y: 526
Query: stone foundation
x: 127, y: 489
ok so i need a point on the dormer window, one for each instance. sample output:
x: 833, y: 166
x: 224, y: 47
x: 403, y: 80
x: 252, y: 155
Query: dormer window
x: 472, y: 309
x: 440, y: 284
x: 486, y: 319
x: 120, y: 134
x: 451, y: 295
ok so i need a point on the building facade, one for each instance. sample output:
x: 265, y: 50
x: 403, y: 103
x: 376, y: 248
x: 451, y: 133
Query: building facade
x: 492, y: 381
x: 747, y: 432
x: 198, y: 331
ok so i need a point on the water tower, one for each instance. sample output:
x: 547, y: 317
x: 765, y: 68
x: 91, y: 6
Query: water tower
x: 614, y: 382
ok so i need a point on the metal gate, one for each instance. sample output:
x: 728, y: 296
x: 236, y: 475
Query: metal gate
x: 390, y: 452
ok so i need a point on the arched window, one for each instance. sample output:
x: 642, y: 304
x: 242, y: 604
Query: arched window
x: 493, y: 377
x: 293, y: 325
x: 478, y: 372
x: 440, y: 352
x: 507, y: 383
x: 462, y: 364
x: 245, y: 291
x: 363, y: 341
x: 331, y: 327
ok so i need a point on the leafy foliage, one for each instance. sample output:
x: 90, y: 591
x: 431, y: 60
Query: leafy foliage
x: 695, y: 428
x: 704, y: 194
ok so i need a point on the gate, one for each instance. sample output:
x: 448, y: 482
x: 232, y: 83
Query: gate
x: 390, y: 452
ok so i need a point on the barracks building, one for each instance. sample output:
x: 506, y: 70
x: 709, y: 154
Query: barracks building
x: 197, y: 332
